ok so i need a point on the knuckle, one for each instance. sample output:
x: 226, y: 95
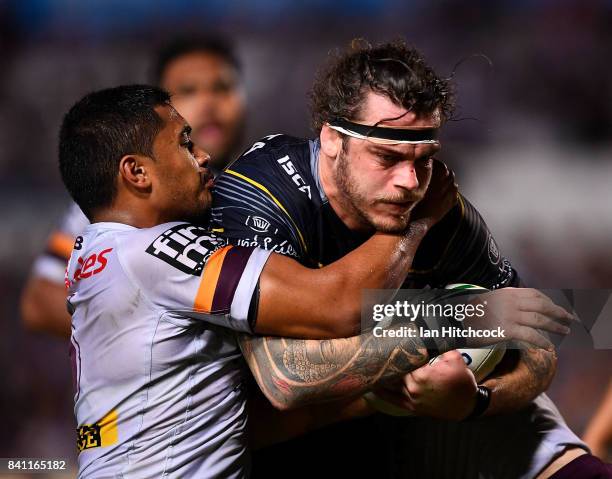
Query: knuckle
x: 413, y: 390
x: 542, y: 304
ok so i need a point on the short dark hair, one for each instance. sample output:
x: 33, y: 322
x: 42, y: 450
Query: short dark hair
x: 213, y: 45
x: 393, y: 69
x: 98, y: 131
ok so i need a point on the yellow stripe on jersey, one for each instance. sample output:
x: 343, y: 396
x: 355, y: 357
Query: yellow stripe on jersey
x: 60, y: 244
x: 100, y: 434
x: 273, y: 198
x: 210, y: 278
x: 108, y: 428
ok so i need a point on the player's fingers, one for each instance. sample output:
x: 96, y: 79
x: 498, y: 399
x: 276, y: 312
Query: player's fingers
x: 540, y: 321
x: 395, y: 398
x: 536, y: 293
x: 544, y: 305
x: 451, y: 356
x: 531, y: 336
x: 419, y: 376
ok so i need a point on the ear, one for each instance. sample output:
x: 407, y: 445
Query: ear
x: 331, y: 141
x: 136, y: 171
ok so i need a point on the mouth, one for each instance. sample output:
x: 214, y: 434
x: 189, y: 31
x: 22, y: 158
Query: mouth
x: 207, y: 179
x: 398, y: 206
x: 210, y: 132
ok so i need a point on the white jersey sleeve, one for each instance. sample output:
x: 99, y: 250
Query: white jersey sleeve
x: 186, y: 270
x: 51, y: 263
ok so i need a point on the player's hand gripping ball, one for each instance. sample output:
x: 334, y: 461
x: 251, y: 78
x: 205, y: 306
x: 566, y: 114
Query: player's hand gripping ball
x: 481, y: 362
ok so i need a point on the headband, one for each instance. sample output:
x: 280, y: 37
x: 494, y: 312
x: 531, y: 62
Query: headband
x: 385, y: 135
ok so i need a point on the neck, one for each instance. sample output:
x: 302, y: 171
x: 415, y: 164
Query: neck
x: 337, y: 199
x: 136, y: 217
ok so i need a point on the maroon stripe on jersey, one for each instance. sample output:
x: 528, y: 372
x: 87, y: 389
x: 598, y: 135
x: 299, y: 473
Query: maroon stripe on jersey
x: 585, y: 467
x: 233, y: 266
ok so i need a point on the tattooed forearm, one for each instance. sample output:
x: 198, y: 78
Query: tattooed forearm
x: 294, y: 372
x: 541, y: 365
x: 523, y: 375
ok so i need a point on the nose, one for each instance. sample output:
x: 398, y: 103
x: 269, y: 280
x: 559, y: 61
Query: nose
x: 206, y: 103
x: 201, y: 156
x: 406, y: 177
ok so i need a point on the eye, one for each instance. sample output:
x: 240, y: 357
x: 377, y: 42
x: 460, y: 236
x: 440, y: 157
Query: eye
x: 187, y: 143
x: 185, y: 90
x: 386, y: 158
x: 222, y: 87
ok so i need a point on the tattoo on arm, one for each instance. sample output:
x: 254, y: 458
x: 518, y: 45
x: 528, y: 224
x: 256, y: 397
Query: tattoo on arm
x: 541, y: 365
x: 294, y: 372
x: 522, y: 375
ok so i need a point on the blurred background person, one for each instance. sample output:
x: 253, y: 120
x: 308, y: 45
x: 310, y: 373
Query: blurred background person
x: 204, y: 77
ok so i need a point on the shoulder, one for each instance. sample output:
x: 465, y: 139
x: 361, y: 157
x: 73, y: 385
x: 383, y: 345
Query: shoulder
x: 274, y: 145
x: 278, y: 163
x: 169, y: 248
x: 269, y: 191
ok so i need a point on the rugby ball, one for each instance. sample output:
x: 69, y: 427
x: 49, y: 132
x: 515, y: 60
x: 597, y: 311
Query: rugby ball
x: 481, y: 361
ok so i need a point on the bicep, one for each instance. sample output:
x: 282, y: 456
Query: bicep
x: 295, y: 301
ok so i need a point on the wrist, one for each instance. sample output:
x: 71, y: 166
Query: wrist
x: 420, y: 226
x: 481, y: 404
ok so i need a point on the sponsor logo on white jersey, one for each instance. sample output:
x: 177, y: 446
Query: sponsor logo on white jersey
x: 186, y: 247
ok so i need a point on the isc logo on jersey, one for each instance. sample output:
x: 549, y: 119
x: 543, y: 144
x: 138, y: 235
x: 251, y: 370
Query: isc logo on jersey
x: 287, y: 165
x: 186, y: 247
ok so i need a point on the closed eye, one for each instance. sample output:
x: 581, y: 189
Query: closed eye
x: 186, y: 141
x: 388, y: 158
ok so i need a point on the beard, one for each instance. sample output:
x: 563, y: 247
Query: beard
x: 355, y: 200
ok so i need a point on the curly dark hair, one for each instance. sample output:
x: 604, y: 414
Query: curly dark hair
x: 393, y: 69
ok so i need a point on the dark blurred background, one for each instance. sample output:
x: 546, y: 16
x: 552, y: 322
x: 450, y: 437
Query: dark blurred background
x: 531, y: 144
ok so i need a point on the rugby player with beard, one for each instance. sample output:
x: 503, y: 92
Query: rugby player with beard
x: 377, y: 111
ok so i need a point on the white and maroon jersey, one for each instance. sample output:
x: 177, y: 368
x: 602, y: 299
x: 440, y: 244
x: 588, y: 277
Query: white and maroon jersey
x: 157, y: 368
x: 51, y: 263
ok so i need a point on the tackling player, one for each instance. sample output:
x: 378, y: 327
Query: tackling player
x: 154, y: 299
x: 378, y: 111
x: 204, y: 77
